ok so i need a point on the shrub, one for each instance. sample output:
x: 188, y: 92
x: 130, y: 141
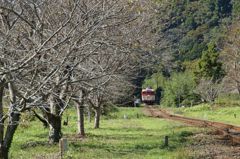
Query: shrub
x: 179, y: 88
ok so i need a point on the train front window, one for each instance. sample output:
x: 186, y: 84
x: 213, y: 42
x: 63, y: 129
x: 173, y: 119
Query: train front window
x: 147, y: 93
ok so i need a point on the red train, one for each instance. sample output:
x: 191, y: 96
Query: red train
x: 148, y: 96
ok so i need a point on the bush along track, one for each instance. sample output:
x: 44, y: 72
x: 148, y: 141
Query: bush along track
x: 227, y: 131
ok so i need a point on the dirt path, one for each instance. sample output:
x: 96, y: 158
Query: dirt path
x: 227, y: 131
x: 224, y: 143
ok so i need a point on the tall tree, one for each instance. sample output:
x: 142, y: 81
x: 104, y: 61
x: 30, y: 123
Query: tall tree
x: 231, y: 56
x: 209, y: 66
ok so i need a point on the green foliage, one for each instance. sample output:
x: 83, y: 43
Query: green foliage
x: 209, y: 66
x: 191, y: 31
x: 127, y: 113
x: 157, y: 80
x: 108, y: 108
x: 186, y: 27
x: 236, y: 8
x: 190, y: 66
x: 179, y: 88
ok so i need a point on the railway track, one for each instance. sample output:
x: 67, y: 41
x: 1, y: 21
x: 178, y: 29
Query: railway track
x: 228, y: 131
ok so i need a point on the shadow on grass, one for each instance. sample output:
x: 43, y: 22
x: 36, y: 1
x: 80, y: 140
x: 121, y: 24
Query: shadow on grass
x: 115, y: 149
x: 126, y: 134
x: 141, y: 149
x: 129, y: 129
x: 33, y: 144
x: 135, y: 143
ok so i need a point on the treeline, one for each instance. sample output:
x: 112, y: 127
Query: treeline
x: 198, y: 45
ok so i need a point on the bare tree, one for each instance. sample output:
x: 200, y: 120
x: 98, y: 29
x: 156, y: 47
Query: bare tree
x: 231, y: 56
x: 49, y: 57
x: 209, y: 90
x: 36, y: 44
x: 116, y: 56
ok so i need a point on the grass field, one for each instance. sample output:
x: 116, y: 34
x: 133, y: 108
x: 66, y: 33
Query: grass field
x: 230, y: 115
x: 132, y: 137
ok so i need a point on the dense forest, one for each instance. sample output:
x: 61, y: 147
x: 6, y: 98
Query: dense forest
x: 193, y: 39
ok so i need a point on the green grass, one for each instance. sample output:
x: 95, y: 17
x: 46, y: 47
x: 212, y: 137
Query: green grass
x: 213, y: 113
x: 132, y: 137
x: 226, y: 100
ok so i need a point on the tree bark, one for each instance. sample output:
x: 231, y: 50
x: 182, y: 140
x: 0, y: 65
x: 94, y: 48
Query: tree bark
x: 80, y: 114
x: 238, y: 87
x: 12, y: 124
x: 89, y: 114
x: 41, y: 119
x: 1, y: 114
x: 55, y: 133
x: 55, y: 120
x: 97, y: 117
x: 3, y: 152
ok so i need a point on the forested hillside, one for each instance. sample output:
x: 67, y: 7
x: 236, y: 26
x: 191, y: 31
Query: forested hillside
x: 191, y: 40
x: 185, y: 28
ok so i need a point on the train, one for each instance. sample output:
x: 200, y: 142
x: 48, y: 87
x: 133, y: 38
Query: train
x: 148, y: 96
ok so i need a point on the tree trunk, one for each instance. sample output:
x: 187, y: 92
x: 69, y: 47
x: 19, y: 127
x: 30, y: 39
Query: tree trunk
x: 80, y: 114
x: 55, y: 133
x: 41, y: 119
x: 179, y: 101
x: 55, y: 120
x: 97, y: 117
x: 3, y: 152
x: 1, y: 114
x: 12, y: 126
x: 13, y: 123
x: 238, y: 87
x: 89, y: 114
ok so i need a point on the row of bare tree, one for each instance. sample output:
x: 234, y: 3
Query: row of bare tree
x: 53, y: 53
